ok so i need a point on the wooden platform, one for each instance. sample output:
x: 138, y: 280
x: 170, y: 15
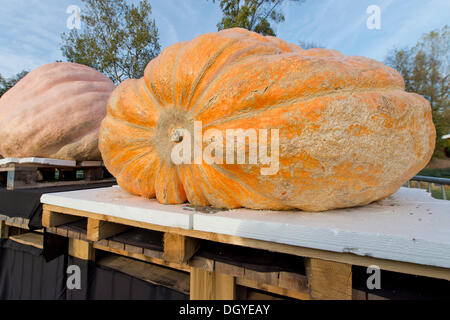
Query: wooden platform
x: 20, y: 173
x: 406, y: 233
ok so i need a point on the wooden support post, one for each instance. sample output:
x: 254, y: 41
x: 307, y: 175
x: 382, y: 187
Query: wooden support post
x: 178, y: 248
x: 206, y: 285
x: 4, y: 230
x: 329, y: 280
x: 54, y: 219
x: 81, y: 249
x: 98, y: 229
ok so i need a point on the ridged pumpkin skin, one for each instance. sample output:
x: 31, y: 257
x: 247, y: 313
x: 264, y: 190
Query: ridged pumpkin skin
x: 349, y: 133
x: 55, y: 111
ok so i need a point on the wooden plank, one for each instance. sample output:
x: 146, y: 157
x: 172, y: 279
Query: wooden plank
x: 18, y: 222
x: 3, y: 230
x: 161, y: 276
x: 262, y: 277
x: 154, y: 253
x: 54, y: 219
x: 178, y: 248
x: 224, y: 286
x: 255, y: 295
x: 359, y: 295
x: 74, y: 234
x: 98, y: 229
x: 293, y: 281
x: 30, y: 239
x: 59, y: 231
x: 134, y: 249
x: 348, y: 258
x: 273, y: 289
x: 116, y: 245
x: 202, y: 263
x: 206, y: 285
x: 371, y: 296
x: 101, y: 246
x: 81, y: 249
x: 229, y: 269
x: 329, y: 280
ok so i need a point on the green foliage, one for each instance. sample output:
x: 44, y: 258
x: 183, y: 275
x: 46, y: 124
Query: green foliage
x: 439, y: 173
x: 425, y: 68
x: 6, y: 84
x: 254, y: 15
x: 116, y: 38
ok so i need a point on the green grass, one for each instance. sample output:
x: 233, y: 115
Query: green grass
x: 436, y: 190
x: 437, y: 193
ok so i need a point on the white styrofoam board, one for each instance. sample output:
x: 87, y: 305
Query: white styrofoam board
x: 114, y: 201
x: 91, y: 163
x: 33, y: 160
x: 409, y: 226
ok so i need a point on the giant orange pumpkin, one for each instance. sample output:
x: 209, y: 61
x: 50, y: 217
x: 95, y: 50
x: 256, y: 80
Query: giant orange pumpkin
x: 55, y: 111
x: 348, y: 132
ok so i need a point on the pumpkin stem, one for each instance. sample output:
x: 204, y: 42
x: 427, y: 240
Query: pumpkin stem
x: 177, y: 135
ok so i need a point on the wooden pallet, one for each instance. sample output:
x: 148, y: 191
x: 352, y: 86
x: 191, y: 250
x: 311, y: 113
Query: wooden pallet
x: 38, y: 173
x: 14, y: 226
x: 177, y: 248
x: 209, y: 279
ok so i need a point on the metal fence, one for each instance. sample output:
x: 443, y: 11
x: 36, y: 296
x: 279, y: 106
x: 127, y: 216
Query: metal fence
x: 431, y: 182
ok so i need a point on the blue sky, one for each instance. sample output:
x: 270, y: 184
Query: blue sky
x: 30, y: 29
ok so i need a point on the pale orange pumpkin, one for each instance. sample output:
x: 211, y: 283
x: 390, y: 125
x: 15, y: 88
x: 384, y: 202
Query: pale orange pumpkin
x: 349, y: 134
x: 55, y: 111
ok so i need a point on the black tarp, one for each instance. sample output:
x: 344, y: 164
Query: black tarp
x: 25, y: 275
x: 26, y: 203
x: 103, y: 283
x: 400, y: 286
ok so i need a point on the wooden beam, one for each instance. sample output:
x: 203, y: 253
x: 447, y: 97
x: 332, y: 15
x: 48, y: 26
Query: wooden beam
x: 54, y: 219
x: 105, y: 247
x: 203, y: 263
x: 359, y: 295
x: 206, y: 285
x: 273, y: 289
x: 293, y: 281
x: 30, y: 239
x: 4, y: 230
x: 161, y: 276
x: 232, y: 270
x: 329, y: 280
x: 81, y: 249
x: 99, y: 229
x: 262, y: 277
x: 224, y: 286
x: 178, y: 248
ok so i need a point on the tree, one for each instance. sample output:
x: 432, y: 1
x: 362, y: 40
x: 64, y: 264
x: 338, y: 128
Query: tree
x: 116, y: 38
x: 254, y: 15
x: 6, y: 84
x: 425, y: 68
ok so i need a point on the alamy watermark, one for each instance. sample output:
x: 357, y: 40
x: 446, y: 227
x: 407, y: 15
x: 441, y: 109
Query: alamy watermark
x: 74, y: 20
x: 73, y: 277
x: 374, y: 20
x: 374, y: 280
x: 235, y: 144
